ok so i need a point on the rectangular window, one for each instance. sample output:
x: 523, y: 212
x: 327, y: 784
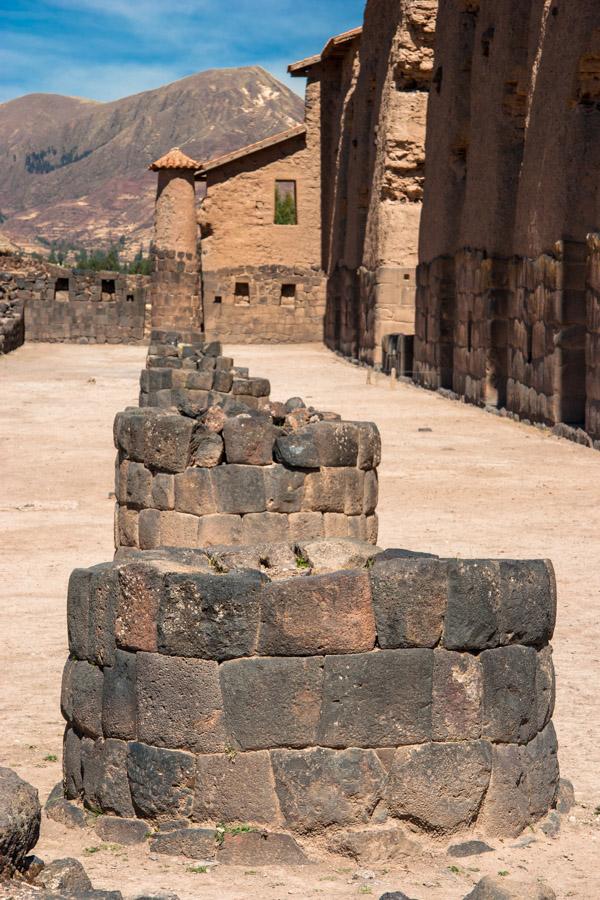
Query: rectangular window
x: 61, y: 289
x: 286, y: 212
x: 242, y: 293
x: 108, y: 286
x: 288, y: 294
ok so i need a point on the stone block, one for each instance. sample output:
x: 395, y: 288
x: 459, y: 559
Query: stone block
x: 87, y: 683
x: 338, y: 490
x: 223, y: 382
x: 369, y: 445
x: 319, y: 788
x: 320, y: 444
x: 179, y: 703
x: 162, y: 494
x: 272, y: 702
x: 119, y: 710
x: 219, y: 529
x: 373, y: 845
x: 249, y: 439
x: 136, y: 616
x: 121, y: 831
x: 66, y: 876
x: 335, y: 555
x: 473, y: 603
x: 540, y: 762
x: 233, y: 788
x: 457, y: 696
x: 265, y: 527
x: 505, y: 809
x: 104, y: 596
x: 372, y: 529
x: 161, y: 781
x: 78, y: 612
x: 306, y: 526
x: 409, y: 598
x: 149, y: 529
x: 178, y: 529
x: 195, y: 492
x: 261, y: 848
x: 206, y: 449
x: 284, y: 489
x: 490, y: 888
x: 196, y: 381
x: 439, y: 787
x: 545, y: 687
x: 139, y: 486
x: 72, y: 777
x: 336, y: 525
x: 193, y: 843
x: 210, y: 616
x: 317, y: 615
x: 104, y: 769
x: 509, y: 696
x: 377, y: 699
x: 127, y: 531
x: 528, y: 602
x: 239, y: 489
x: 370, y: 493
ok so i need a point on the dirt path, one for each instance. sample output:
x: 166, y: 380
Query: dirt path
x: 454, y: 481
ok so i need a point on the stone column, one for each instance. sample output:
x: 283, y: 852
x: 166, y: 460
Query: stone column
x: 176, y: 303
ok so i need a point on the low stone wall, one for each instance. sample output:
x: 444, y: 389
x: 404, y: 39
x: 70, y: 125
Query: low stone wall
x: 12, y: 326
x: 265, y: 304
x: 53, y: 304
x: 260, y: 687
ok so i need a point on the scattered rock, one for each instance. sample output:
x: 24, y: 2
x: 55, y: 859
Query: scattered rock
x: 551, y: 824
x: 260, y: 848
x: 565, y: 799
x: 60, y: 810
x: 372, y: 845
x: 499, y: 889
x: 122, y: 831
x: 194, y: 843
x: 20, y: 815
x: 395, y: 895
x: 469, y: 848
x: 64, y: 875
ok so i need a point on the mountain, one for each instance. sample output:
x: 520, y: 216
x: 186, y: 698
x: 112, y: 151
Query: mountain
x: 75, y: 170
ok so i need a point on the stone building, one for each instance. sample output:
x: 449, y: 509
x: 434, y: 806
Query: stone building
x: 374, y: 88
x: 508, y: 299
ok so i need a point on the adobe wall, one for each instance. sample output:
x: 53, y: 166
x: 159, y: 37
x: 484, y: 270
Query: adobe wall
x: 266, y: 688
x: 241, y: 244
x: 54, y: 304
x: 378, y: 170
x: 510, y: 199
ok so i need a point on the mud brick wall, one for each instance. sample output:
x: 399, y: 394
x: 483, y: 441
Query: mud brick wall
x: 319, y: 704
x: 282, y: 304
x: 231, y: 474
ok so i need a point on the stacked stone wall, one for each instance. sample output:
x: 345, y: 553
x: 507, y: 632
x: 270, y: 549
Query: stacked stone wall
x: 593, y: 339
x: 54, y: 304
x: 175, y: 289
x: 283, y: 305
x: 408, y: 692
x: 12, y: 325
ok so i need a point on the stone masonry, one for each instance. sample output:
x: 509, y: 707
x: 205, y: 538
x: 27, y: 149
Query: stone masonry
x: 258, y: 686
x: 209, y: 459
x: 44, y: 302
x: 507, y: 285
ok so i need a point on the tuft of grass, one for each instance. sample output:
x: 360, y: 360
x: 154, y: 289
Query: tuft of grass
x: 370, y: 563
x: 365, y: 889
x: 454, y: 869
x: 302, y: 562
x: 198, y: 870
x: 91, y: 850
x: 503, y: 873
x: 222, y: 829
x: 51, y: 757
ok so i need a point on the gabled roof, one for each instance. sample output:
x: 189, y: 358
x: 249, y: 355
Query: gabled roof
x: 174, y: 159
x: 273, y: 141
x: 334, y: 47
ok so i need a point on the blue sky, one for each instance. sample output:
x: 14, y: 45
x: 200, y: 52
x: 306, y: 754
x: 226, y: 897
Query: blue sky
x: 105, y: 49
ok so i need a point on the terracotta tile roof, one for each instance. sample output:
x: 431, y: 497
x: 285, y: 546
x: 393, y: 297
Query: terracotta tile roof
x: 273, y: 141
x: 338, y: 41
x: 174, y: 159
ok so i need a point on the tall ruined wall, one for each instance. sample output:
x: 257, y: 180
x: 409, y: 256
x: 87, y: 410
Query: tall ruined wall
x: 379, y: 170
x: 513, y: 165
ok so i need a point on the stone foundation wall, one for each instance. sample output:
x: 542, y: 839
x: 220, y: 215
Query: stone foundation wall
x: 282, y: 305
x: 175, y: 289
x: 592, y: 413
x: 264, y: 688
x: 12, y: 325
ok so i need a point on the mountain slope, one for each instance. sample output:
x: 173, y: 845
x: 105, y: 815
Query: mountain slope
x: 76, y: 170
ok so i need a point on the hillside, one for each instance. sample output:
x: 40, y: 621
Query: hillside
x: 76, y: 170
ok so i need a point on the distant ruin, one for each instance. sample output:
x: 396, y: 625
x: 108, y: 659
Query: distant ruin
x: 43, y: 302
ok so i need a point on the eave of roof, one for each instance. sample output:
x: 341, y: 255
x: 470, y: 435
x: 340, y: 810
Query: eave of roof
x: 243, y: 152
x: 339, y: 41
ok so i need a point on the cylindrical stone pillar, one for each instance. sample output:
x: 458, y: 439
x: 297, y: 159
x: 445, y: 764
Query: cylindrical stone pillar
x: 176, y: 303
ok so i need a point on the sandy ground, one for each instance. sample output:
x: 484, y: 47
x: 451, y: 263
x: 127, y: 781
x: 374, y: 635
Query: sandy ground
x: 454, y: 481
